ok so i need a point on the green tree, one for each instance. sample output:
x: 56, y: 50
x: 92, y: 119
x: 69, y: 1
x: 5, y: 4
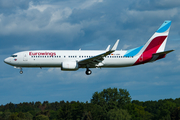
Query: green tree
x: 1, y: 113
x: 87, y: 116
x: 53, y: 115
x: 165, y: 110
x: 118, y: 114
x: 138, y: 113
x: 175, y: 114
x: 97, y: 112
x: 14, y: 117
x: 41, y: 117
x: 10, y: 106
x: 37, y: 104
x: 21, y: 115
x: 111, y: 98
x: 28, y: 116
x: 65, y: 112
x: 6, y: 114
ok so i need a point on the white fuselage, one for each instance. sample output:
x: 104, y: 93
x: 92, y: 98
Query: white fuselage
x: 55, y: 58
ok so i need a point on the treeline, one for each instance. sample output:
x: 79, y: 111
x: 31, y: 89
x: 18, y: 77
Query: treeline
x: 110, y: 104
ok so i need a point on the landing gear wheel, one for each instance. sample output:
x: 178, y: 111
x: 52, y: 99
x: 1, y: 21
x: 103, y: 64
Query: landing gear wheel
x: 88, y: 72
x: 21, y: 72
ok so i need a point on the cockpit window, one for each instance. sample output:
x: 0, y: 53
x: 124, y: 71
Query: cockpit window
x: 13, y: 55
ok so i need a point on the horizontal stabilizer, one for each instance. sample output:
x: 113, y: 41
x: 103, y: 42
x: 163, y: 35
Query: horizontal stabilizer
x: 159, y: 55
x: 163, y: 53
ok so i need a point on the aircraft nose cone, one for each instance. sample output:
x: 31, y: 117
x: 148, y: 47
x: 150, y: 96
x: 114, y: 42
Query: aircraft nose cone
x: 7, y: 60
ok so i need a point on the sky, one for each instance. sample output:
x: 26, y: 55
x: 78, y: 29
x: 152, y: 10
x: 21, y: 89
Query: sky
x: 89, y: 25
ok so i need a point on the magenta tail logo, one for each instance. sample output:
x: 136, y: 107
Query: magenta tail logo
x: 141, y: 58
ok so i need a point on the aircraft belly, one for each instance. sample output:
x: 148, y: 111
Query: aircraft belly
x: 124, y: 62
x: 41, y: 63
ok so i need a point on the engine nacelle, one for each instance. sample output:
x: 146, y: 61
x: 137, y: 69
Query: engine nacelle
x: 69, y: 66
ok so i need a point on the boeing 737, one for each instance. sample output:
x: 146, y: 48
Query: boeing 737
x: 72, y: 60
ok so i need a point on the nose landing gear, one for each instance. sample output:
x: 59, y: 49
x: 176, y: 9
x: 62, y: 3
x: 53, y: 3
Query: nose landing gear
x: 21, y: 72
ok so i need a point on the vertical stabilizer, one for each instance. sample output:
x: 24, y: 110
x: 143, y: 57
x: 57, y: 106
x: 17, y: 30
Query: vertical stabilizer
x: 155, y: 44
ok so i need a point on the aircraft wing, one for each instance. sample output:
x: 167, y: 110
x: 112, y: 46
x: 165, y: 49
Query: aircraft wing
x: 92, y: 61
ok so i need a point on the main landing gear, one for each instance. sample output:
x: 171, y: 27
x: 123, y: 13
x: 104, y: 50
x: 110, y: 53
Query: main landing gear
x: 88, y: 72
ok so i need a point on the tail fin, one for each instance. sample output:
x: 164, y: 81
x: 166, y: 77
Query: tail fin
x: 155, y: 44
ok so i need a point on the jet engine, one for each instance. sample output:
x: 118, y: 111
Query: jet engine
x: 69, y: 66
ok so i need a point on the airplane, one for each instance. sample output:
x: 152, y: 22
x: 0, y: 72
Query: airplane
x: 72, y: 60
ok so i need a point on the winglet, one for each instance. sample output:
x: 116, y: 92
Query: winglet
x: 107, y: 49
x: 115, y: 46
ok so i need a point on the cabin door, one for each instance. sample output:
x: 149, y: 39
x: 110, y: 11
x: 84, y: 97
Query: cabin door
x: 25, y: 57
